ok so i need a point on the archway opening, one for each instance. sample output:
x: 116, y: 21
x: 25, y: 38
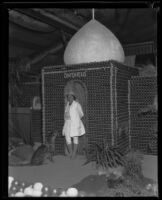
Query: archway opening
x: 80, y: 90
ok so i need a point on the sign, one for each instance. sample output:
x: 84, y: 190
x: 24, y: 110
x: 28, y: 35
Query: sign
x: 74, y: 74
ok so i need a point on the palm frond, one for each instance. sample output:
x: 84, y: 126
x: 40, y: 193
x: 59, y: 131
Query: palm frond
x: 106, y: 156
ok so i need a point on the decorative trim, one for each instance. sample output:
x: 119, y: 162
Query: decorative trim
x: 43, y: 109
x: 112, y: 104
x: 115, y: 97
x: 75, y: 70
x: 129, y: 113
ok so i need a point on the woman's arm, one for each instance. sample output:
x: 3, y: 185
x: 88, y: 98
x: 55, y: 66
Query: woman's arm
x: 80, y: 111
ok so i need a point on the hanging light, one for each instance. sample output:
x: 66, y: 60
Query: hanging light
x: 93, y: 43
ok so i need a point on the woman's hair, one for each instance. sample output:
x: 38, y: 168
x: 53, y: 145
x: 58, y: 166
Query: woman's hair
x: 74, y: 97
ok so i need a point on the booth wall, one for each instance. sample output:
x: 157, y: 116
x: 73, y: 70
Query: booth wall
x: 143, y: 91
x: 104, y: 111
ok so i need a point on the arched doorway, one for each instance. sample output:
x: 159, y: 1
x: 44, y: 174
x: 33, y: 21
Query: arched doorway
x: 80, y: 90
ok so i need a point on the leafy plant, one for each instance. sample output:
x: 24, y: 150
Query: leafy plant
x: 113, y: 182
x: 133, y: 164
x: 105, y: 156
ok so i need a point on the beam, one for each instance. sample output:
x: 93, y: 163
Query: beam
x: 24, y: 64
x: 37, y: 57
x: 23, y: 44
x: 29, y: 23
x: 37, y: 37
x: 50, y: 19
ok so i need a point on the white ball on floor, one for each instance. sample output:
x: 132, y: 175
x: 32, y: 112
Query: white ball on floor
x: 23, y: 184
x: 82, y: 194
x: 63, y: 194
x: 148, y: 187
x: 16, y: 182
x: 19, y: 194
x: 36, y: 193
x: 10, y: 180
x: 72, y: 192
x: 28, y: 191
x: 38, y: 186
x: 14, y: 188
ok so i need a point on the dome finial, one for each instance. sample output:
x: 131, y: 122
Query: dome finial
x: 92, y: 13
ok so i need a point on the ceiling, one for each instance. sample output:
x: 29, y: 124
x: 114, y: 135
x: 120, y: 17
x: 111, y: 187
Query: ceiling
x: 38, y: 37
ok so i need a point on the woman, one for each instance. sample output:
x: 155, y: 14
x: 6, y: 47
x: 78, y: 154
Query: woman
x: 73, y: 126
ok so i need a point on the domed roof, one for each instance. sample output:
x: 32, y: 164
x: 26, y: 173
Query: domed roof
x: 93, y: 43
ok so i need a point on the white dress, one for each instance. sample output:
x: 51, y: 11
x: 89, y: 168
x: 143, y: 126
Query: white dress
x: 73, y: 125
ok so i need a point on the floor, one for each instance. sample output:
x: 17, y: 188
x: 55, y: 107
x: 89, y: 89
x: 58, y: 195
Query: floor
x: 64, y: 173
x: 60, y: 174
